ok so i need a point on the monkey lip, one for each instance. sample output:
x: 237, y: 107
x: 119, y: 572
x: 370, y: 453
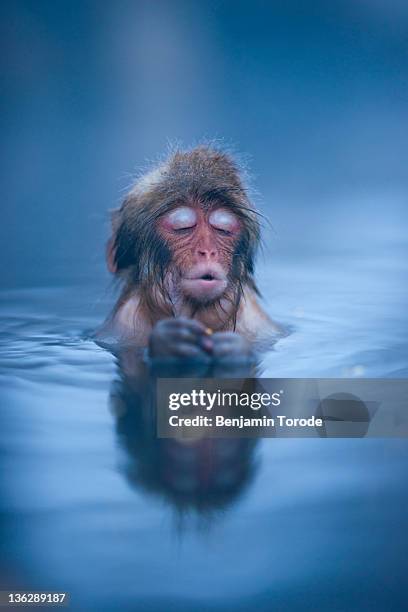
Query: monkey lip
x: 205, y: 284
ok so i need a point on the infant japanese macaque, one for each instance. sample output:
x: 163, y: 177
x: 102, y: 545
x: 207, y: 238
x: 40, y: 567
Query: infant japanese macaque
x: 183, y: 245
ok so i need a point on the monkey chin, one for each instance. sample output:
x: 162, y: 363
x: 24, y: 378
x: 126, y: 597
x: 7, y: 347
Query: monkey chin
x: 203, y: 292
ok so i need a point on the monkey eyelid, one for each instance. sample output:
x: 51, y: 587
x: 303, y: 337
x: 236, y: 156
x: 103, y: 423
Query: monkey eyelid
x: 223, y: 231
x: 181, y: 218
x: 183, y: 230
x: 223, y: 220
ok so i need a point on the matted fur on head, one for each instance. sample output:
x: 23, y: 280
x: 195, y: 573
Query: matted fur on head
x: 203, y: 175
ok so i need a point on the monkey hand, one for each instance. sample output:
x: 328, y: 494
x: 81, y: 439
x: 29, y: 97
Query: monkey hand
x: 230, y: 346
x: 179, y: 338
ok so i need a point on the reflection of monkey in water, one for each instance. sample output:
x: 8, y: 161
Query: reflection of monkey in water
x: 183, y: 244
x: 199, y: 476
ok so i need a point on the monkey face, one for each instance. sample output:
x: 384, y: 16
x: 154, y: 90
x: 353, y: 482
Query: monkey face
x: 202, y: 243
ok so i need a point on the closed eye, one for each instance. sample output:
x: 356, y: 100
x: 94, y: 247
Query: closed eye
x: 183, y: 230
x: 181, y: 219
x: 224, y: 221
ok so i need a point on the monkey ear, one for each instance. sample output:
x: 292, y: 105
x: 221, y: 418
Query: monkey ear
x: 111, y: 255
x: 111, y: 245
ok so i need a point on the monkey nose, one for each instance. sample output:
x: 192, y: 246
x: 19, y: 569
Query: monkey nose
x: 206, y: 253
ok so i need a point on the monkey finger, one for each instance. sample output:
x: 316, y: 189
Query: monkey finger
x: 231, y: 345
x: 223, y: 344
x: 223, y: 349
x: 207, y: 344
x: 192, y: 324
x: 230, y: 338
x: 189, y: 351
x: 180, y: 335
x: 187, y: 337
x: 226, y: 336
x: 228, y: 356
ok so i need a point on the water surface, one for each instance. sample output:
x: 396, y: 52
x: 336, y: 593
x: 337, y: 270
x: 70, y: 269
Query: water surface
x: 93, y: 504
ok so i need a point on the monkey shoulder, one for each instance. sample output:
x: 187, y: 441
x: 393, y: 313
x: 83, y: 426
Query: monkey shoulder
x: 127, y: 325
x: 253, y: 322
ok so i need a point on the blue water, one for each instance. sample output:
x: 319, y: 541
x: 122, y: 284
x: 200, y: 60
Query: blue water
x: 94, y: 505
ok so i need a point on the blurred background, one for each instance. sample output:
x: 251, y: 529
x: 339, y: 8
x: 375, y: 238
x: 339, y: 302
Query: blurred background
x: 313, y: 94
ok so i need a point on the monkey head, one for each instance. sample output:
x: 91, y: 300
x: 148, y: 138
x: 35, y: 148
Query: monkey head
x: 186, y: 232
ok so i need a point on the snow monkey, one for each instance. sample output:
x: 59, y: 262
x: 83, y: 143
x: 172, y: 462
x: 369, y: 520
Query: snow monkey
x: 183, y: 246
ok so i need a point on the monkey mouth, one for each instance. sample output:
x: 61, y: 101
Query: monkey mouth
x: 205, y: 285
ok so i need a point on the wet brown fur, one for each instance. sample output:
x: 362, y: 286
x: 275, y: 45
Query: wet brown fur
x: 141, y: 258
